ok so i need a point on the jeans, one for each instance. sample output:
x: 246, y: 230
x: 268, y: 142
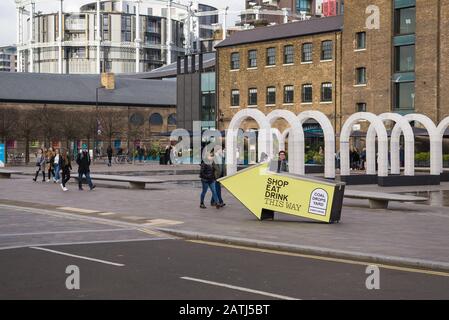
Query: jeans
x: 57, y: 172
x: 80, y: 179
x: 218, y: 190
x: 211, y: 186
x: 65, y: 178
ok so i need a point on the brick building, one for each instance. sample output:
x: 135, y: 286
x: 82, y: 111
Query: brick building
x: 400, y: 66
x: 397, y: 66
x: 293, y: 66
x: 67, y: 111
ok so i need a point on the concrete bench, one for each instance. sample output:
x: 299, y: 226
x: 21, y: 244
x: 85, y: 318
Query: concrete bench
x: 6, y: 174
x: 134, y: 182
x: 379, y: 200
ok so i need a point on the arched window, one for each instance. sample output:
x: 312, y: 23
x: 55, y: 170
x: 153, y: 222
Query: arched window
x: 137, y: 119
x: 156, y: 119
x: 172, y: 119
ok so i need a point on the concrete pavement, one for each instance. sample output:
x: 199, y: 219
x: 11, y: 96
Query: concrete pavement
x: 407, y: 234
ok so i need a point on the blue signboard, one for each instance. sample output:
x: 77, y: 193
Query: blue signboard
x: 2, y: 155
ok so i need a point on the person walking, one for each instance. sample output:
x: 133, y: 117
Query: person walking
x: 50, y: 157
x: 208, y: 181
x: 219, y: 172
x: 40, y: 164
x: 168, y: 152
x: 109, y: 152
x: 83, y: 161
x: 57, y: 160
x: 66, y: 167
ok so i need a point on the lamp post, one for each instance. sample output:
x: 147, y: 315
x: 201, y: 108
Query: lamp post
x: 96, y: 133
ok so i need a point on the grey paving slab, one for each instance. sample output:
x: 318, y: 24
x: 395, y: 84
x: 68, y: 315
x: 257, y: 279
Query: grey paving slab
x: 411, y: 231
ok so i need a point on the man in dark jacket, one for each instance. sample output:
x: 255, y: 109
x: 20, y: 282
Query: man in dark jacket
x: 83, y: 161
x: 207, y: 176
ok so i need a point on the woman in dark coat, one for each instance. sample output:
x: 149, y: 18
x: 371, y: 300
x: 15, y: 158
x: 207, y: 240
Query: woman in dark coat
x: 207, y: 176
x: 66, y: 167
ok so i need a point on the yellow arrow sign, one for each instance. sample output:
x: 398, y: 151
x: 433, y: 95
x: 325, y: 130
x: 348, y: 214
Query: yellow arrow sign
x: 263, y: 192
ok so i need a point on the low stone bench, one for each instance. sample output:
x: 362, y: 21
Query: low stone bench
x: 380, y: 200
x: 6, y: 174
x: 134, y: 182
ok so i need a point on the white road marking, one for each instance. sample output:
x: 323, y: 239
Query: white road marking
x: 107, y: 213
x: 79, y: 257
x: 58, y: 244
x: 78, y: 210
x: 263, y: 293
x: 62, y: 232
x: 133, y: 218
x: 156, y: 222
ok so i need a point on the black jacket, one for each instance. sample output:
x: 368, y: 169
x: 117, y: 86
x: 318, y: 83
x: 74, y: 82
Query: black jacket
x: 109, y: 151
x: 207, y: 172
x: 66, y: 166
x: 83, y: 161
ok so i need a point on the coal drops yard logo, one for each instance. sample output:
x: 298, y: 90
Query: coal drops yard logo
x: 318, y: 202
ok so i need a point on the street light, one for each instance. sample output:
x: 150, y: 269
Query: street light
x: 96, y: 120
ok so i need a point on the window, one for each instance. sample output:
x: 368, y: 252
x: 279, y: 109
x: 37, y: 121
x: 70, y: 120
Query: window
x: 307, y: 51
x: 271, y: 95
x: 288, y: 54
x: 360, y: 77
x: 172, y: 119
x: 360, y: 40
x: 326, y: 50
x: 137, y: 119
x: 304, y: 6
x: 404, y: 58
x: 106, y: 27
x: 235, y: 98
x: 289, y: 94
x: 306, y: 93
x: 252, y: 97
x: 271, y: 56
x: 404, y: 96
x: 405, y: 20
x: 252, y: 58
x: 326, y: 92
x: 126, y: 29
x: 360, y: 107
x: 156, y: 119
x: 235, y: 61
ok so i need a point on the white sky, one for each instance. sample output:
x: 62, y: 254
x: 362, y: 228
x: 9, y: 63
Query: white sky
x: 8, y: 13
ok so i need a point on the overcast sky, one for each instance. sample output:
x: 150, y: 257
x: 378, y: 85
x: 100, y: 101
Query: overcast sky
x: 8, y: 13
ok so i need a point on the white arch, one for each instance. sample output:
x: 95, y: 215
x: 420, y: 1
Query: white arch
x: 382, y: 140
x: 444, y: 124
x: 436, y: 142
x: 284, y: 138
x: 232, y: 132
x: 296, y: 140
x: 329, y: 139
x: 276, y: 134
x: 409, y: 149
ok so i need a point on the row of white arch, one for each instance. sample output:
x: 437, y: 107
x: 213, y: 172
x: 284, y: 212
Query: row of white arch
x: 377, y: 129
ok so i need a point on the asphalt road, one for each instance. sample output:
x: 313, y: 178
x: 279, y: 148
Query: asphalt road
x: 119, y: 262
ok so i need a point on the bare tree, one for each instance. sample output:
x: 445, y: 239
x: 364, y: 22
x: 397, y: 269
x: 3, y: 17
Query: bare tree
x: 71, y: 125
x: 9, y: 118
x: 112, y: 121
x: 48, y: 123
x: 27, y: 129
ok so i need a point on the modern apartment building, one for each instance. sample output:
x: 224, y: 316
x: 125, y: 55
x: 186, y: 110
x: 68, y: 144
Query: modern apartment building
x: 71, y: 42
x: 8, y: 59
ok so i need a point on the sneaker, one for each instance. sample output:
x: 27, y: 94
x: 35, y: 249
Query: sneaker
x: 93, y: 187
x: 202, y: 206
x: 62, y: 187
x: 222, y: 204
x: 48, y: 180
x: 34, y: 180
x: 218, y: 206
x: 65, y: 189
x: 80, y: 189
